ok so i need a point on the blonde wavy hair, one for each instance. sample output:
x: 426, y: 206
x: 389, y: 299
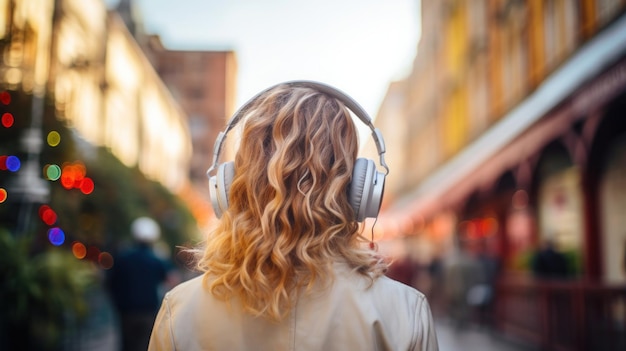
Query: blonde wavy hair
x: 288, y: 218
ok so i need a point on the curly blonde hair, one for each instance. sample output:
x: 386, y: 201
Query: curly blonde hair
x: 289, y: 217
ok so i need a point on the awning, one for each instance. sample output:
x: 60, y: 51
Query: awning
x: 492, y: 153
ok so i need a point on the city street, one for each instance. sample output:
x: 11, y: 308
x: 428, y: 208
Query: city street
x: 498, y: 140
x: 473, y: 338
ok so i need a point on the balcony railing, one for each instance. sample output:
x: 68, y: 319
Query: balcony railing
x: 563, y: 315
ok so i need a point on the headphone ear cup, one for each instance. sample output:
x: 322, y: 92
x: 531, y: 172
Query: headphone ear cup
x: 376, y: 195
x: 366, y: 189
x: 360, y: 186
x: 219, y: 187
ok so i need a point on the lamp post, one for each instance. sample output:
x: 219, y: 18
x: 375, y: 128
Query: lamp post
x: 28, y: 188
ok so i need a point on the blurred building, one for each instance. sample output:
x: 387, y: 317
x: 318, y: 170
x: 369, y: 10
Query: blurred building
x: 513, y: 134
x: 203, y: 82
x: 101, y: 83
x: 76, y: 63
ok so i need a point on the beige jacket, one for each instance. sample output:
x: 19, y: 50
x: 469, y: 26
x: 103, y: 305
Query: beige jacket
x: 351, y: 314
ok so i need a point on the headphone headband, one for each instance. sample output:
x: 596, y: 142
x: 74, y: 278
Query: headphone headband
x: 321, y: 87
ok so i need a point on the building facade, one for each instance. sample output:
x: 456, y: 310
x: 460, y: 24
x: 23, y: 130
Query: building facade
x: 203, y: 82
x: 102, y: 84
x: 515, y: 136
x: 80, y: 91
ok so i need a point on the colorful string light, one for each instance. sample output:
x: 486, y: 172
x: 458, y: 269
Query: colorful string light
x: 54, y: 138
x: 79, y: 250
x: 13, y: 163
x: 56, y: 236
x: 7, y: 120
x: 52, y: 172
x: 47, y: 215
x: 5, y: 97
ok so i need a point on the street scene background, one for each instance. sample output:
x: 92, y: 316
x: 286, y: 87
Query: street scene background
x: 505, y: 134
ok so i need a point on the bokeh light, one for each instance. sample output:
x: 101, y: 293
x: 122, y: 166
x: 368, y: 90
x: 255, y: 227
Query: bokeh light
x: 67, y: 180
x: 7, y: 120
x: 5, y: 97
x: 3, y: 162
x: 42, y: 208
x: 3, y: 195
x: 79, y: 174
x: 488, y: 226
x: 47, y: 215
x: 56, y: 236
x: 13, y: 163
x: 52, y: 172
x: 105, y: 260
x: 87, y: 186
x: 93, y: 253
x: 79, y: 250
x: 72, y: 175
x: 54, y: 138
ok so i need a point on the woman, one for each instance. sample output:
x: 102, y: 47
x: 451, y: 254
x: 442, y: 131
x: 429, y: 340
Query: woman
x: 285, y: 268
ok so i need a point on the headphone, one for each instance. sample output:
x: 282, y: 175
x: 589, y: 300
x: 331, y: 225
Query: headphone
x: 366, y: 187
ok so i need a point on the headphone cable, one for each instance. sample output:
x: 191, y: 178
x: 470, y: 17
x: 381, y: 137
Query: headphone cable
x: 372, y: 243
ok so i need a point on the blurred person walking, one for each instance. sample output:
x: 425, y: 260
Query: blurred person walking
x: 549, y: 263
x: 464, y: 283
x: 136, y: 280
x: 285, y: 267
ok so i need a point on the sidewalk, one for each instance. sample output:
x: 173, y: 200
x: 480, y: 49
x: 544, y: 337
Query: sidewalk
x: 473, y: 338
x: 98, y: 330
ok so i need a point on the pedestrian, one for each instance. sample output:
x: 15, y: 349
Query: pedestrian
x: 286, y: 266
x: 136, y: 280
x: 549, y: 263
x: 464, y: 283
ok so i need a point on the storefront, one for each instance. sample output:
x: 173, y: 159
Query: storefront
x: 552, y: 170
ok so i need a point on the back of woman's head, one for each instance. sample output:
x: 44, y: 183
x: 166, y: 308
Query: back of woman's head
x: 295, y: 162
x: 289, y: 217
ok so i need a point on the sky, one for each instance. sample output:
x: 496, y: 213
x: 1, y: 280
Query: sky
x: 358, y: 46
